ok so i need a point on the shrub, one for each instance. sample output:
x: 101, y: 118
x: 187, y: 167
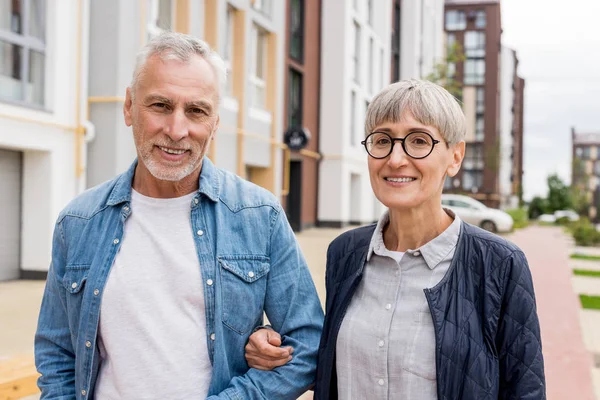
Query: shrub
x: 585, y: 233
x: 519, y: 216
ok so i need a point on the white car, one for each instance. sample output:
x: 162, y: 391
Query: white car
x: 477, y: 213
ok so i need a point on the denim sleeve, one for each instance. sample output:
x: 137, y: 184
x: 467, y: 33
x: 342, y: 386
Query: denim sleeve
x: 519, y: 340
x: 54, y: 353
x: 293, y: 309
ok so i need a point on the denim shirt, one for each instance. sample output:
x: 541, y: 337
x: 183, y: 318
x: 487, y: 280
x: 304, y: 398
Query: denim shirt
x: 250, y: 263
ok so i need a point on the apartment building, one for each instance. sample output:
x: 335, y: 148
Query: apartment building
x: 249, y: 34
x: 585, y: 172
x: 476, y: 26
x: 511, y: 130
x: 42, y: 151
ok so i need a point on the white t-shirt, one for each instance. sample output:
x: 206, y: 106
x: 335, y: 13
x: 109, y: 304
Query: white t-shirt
x: 152, y: 333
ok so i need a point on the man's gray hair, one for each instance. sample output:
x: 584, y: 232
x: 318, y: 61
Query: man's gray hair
x: 427, y: 102
x: 178, y: 46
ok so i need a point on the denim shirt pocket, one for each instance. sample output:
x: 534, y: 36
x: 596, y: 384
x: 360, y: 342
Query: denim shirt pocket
x: 243, y: 288
x: 74, y: 281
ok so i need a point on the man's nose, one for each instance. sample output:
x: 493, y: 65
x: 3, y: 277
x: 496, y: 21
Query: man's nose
x: 177, y: 126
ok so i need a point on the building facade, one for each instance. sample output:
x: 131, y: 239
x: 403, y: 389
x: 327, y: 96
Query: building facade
x: 302, y: 101
x: 249, y: 34
x: 42, y: 105
x: 476, y: 26
x: 585, y: 172
x: 511, y: 130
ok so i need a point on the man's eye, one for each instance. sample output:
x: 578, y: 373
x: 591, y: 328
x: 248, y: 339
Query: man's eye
x: 159, y: 105
x: 197, y: 111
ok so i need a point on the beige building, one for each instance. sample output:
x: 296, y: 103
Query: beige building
x: 585, y: 173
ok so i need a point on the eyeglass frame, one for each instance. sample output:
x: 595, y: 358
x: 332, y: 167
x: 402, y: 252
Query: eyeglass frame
x: 401, y: 140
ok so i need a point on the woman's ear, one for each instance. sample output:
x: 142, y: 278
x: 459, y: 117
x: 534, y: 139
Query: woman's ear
x: 458, y: 154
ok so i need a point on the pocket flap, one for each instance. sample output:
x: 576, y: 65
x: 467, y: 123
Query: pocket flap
x: 75, y: 277
x: 247, y: 268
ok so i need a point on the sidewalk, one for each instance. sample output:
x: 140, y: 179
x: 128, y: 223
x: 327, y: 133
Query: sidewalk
x: 567, y: 361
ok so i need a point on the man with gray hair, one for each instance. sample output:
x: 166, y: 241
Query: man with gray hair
x: 159, y: 276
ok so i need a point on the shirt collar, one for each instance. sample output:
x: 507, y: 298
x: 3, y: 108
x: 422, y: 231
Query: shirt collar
x: 433, y: 252
x: 209, y: 183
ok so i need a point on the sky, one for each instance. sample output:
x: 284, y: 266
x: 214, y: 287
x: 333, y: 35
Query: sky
x: 558, y: 46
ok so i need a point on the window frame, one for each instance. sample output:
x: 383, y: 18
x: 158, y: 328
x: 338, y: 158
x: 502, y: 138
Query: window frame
x: 258, y: 34
x: 297, y: 34
x: 458, y: 24
x: 27, y: 42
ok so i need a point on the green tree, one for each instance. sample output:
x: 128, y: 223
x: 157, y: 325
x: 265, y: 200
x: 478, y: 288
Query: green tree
x: 444, y: 72
x: 537, y: 207
x: 559, y: 194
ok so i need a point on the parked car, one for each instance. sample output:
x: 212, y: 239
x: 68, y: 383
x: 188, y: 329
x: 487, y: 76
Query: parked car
x: 477, y: 213
x: 548, y: 218
x: 570, y: 214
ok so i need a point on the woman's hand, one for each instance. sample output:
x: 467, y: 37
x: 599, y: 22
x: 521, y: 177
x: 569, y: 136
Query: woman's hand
x: 264, y: 350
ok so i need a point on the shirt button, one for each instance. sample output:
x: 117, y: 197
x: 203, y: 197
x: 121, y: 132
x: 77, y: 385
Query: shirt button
x: 74, y: 285
x: 116, y: 241
x: 417, y: 253
x: 96, y: 292
x: 251, y: 274
x: 212, y: 336
x: 200, y: 232
x: 381, y: 343
x: 381, y: 382
x: 88, y: 344
x: 209, y: 282
x: 388, y: 306
x: 125, y: 208
x: 195, y: 201
x: 83, y: 392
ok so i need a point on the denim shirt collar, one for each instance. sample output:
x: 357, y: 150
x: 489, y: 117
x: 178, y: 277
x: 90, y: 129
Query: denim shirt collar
x: 209, y: 183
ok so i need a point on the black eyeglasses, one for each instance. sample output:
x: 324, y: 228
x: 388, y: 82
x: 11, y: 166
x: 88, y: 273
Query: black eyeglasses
x: 416, y: 144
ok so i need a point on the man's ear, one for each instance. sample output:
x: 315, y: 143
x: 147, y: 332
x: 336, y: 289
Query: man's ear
x: 458, y: 154
x: 127, y: 107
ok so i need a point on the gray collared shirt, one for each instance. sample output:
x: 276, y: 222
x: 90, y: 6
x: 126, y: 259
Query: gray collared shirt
x: 386, y: 344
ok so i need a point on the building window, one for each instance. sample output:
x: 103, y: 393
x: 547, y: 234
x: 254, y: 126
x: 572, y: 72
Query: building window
x: 473, y: 157
x: 450, y: 40
x: 353, y: 113
x: 455, y: 20
x: 586, y: 153
x: 370, y: 12
x: 448, y: 183
x: 396, y: 43
x: 480, y: 20
x: 259, y: 66
x: 160, y: 17
x: 474, y: 72
x: 297, y: 30
x: 371, y: 75
x: 480, y: 100
x: 382, y: 65
x: 472, y: 180
x: 228, y: 49
x: 23, y: 51
x: 295, y: 99
x: 479, y: 128
x: 475, y: 44
x: 579, y: 152
x: 597, y: 168
x: 356, y: 55
x: 263, y: 6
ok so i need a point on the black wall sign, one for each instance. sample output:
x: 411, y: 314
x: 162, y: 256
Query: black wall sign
x: 296, y: 138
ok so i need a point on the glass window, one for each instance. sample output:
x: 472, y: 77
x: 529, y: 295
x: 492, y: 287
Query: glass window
x: 264, y: 6
x: 474, y: 72
x: 356, y: 55
x: 22, y: 50
x: 160, y: 17
x: 297, y: 29
x: 473, y: 157
x: 295, y: 99
x: 371, y: 76
x: 474, y: 44
x: 479, y: 128
x: 353, y: 133
x: 258, y: 73
x: 597, y: 168
x: 480, y: 19
x: 586, y: 152
x: 228, y: 49
x: 450, y: 40
x: 472, y: 180
x: 579, y: 152
x: 480, y: 100
x: 455, y: 20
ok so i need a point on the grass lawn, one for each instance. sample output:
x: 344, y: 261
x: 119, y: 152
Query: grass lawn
x: 590, y: 302
x: 587, y: 272
x: 585, y: 257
